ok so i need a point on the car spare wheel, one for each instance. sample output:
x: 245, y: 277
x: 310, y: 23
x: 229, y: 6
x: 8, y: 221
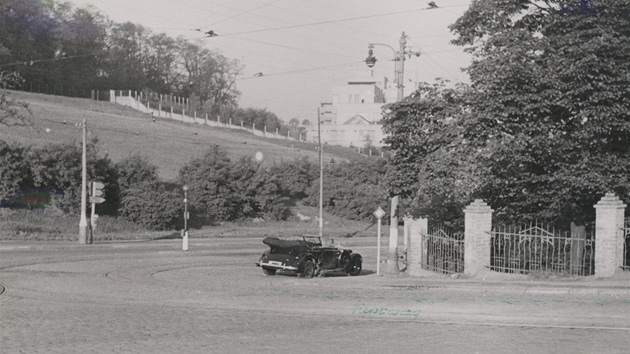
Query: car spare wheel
x: 356, y: 268
x: 308, y: 271
x: 269, y: 271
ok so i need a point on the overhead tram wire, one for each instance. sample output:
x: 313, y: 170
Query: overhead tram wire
x: 323, y: 22
x: 266, y: 43
x: 294, y: 48
x: 31, y: 62
x: 291, y: 61
x: 241, y: 13
x: 364, y: 30
x: 199, y: 28
x: 292, y: 26
x: 217, y: 43
x: 452, y: 75
x: 305, y: 70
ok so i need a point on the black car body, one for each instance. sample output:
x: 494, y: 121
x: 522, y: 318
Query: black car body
x: 308, y: 256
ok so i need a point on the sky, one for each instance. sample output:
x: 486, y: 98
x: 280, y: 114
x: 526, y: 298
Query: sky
x: 305, y: 47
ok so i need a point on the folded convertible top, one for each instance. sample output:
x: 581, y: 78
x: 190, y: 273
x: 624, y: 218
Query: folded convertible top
x: 280, y: 243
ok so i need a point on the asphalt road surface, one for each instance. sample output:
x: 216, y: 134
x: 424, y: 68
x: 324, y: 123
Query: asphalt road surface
x: 152, y: 297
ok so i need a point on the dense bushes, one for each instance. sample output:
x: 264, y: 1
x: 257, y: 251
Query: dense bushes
x: 295, y: 177
x: 144, y: 199
x: 352, y: 190
x: 223, y: 190
x: 152, y: 206
x: 53, y: 172
x: 219, y: 189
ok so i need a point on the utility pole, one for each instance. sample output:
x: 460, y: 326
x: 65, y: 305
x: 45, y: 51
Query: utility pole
x: 321, y: 176
x: 83, y: 222
x: 392, y: 254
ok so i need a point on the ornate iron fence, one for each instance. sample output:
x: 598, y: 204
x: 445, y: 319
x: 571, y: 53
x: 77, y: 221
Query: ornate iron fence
x: 535, y: 248
x: 444, y: 250
x: 626, y: 245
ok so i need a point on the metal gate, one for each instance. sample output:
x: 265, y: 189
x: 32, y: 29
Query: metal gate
x: 535, y: 248
x: 444, y: 250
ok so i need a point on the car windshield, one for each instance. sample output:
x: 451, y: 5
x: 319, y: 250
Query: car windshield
x: 322, y: 240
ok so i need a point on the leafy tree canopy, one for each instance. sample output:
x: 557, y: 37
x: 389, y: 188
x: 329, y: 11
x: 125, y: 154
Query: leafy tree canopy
x: 12, y: 112
x: 542, y: 131
x: 223, y: 190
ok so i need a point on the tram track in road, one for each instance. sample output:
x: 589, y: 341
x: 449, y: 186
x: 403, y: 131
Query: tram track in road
x: 156, y: 298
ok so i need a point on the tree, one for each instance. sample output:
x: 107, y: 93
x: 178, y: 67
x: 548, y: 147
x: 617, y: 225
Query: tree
x: 27, y: 29
x: 15, y: 174
x: 12, y: 112
x: 260, y: 117
x: 544, y: 126
x: 151, y: 205
x: 79, y: 42
x: 352, y: 189
x: 294, y: 122
x: 433, y: 163
x: 295, y: 177
x: 134, y: 171
x: 57, y: 168
x: 127, y: 48
x: 223, y: 190
x: 52, y: 46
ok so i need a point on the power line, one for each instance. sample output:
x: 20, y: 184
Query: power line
x: 31, y: 62
x: 306, y: 70
x: 241, y: 13
x: 324, y: 22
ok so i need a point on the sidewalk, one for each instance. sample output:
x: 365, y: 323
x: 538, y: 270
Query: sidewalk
x: 492, y: 282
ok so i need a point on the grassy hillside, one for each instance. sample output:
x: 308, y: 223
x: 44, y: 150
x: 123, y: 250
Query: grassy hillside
x: 168, y: 144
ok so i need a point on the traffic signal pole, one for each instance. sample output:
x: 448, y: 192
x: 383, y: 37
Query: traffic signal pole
x: 83, y: 222
x: 91, y: 235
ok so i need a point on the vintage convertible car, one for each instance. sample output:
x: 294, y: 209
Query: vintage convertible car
x: 308, y: 256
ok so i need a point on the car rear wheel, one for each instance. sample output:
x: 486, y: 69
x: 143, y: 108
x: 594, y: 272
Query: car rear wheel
x: 356, y: 268
x: 269, y: 271
x: 308, y: 269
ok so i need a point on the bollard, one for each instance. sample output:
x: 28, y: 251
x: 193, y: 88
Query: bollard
x: 185, y: 241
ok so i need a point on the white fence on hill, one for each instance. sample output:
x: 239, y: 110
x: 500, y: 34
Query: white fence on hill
x: 130, y: 101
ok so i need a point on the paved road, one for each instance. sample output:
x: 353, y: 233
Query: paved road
x: 151, y: 297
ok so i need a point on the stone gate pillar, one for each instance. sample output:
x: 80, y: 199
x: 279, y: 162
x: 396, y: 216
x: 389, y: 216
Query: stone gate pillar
x: 609, y: 237
x: 478, y: 226
x: 416, y: 253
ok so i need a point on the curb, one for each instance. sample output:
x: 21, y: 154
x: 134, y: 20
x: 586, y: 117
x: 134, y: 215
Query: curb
x: 514, y: 288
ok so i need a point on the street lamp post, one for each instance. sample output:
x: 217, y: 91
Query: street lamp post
x: 392, y: 254
x: 185, y: 236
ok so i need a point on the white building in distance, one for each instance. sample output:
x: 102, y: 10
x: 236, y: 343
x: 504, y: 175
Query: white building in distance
x: 353, y: 118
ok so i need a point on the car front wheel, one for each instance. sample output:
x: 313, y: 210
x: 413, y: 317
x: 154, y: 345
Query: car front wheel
x: 356, y: 268
x: 308, y: 269
x: 269, y: 271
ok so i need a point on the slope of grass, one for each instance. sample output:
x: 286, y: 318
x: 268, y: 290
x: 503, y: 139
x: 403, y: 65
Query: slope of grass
x: 168, y: 144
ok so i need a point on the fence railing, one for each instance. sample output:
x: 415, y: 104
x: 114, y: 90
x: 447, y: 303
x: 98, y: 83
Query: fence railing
x: 445, y: 250
x: 535, y: 248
